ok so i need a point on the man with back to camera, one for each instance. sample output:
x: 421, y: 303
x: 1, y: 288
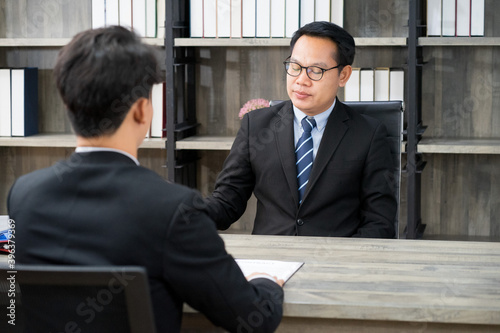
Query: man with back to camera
x: 100, y: 207
x: 316, y: 167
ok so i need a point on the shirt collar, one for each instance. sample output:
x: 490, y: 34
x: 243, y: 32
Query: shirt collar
x: 94, y: 149
x: 321, y: 119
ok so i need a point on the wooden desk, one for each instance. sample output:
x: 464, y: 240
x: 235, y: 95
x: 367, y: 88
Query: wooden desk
x: 364, y: 285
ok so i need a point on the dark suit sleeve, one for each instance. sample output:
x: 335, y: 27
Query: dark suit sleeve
x: 206, y: 277
x: 234, y: 184
x: 378, y: 203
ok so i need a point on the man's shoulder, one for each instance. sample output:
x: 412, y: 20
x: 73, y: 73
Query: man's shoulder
x: 158, y: 189
x: 268, y: 113
x: 37, y: 176
x: 154, y: 180
x: 70, y: 171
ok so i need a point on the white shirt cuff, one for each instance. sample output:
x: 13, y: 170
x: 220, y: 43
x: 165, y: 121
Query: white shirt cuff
x: 262, y: 276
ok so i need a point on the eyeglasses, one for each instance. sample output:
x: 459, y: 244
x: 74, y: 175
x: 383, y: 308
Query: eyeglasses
x: 315, y: 73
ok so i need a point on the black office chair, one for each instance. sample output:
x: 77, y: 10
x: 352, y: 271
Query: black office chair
x: 74, y: 298
x: 389, y: 113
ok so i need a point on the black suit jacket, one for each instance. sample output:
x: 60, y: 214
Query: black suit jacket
x: 100, y: 208
x: 348, y: 193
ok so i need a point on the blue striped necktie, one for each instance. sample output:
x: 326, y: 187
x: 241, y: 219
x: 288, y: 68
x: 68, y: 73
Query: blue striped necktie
x: 304, y: 155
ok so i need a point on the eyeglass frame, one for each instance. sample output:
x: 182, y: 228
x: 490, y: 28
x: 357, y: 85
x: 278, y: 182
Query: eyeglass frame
x: 323, y: 70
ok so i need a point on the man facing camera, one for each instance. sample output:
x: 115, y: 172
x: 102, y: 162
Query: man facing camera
x: 100, y: 207
x: 315, y: 166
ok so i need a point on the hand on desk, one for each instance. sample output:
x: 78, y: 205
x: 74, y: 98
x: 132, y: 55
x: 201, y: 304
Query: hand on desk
x: 256, y: 275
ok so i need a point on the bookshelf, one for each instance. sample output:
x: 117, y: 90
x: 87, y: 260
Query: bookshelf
x: 57, y: 42
x: 459, y: 103
x: 454, y: 93
x: 239, y: 42
x: 63, y: 140
x: 460, y: 146
x: 31, y: 34
x: 447, y: 196
x: 459, y: 41
x: 229, y: 71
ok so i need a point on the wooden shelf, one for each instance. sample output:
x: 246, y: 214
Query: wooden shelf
x: 237, y: 42
x: 461, y: 238
x: 56, y: 42
x: 459, y: 41
x: 380, y: 41
x: 459, y: 146
x: 64, y: 141
x: 436, y: 146
x: 206, y: 143
x: 40, y: 140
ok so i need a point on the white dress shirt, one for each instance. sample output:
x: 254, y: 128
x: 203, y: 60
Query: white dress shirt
x: 317, y: 132
x: 94, y: 149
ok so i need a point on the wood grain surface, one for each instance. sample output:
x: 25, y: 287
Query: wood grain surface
x: 365, y: 285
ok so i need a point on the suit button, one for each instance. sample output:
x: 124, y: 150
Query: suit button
x: 300, y: 222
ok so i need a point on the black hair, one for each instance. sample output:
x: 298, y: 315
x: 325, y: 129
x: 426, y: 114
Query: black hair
x: 338, y: 35
x: 100, y: 74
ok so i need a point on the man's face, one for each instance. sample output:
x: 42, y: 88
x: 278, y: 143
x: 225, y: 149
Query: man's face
x: 314, y: 97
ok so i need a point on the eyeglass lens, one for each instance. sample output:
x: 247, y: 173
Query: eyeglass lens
x: 294, y: 69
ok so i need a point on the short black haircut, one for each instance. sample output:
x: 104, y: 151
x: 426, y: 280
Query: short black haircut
x: 100, y: 74
x: 344, y: 41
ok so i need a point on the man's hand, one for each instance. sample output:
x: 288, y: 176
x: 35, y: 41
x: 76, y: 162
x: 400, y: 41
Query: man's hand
x: 255, y: 275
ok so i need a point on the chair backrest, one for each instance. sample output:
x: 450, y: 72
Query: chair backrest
x: 77, y: 299
x: 390, y: 113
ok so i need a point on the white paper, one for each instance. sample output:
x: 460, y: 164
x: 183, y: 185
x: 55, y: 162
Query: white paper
x: 477, y: 18
x: 263, y: 18
x: 351, y: 89
x: 283, y: 270
x: 306, y: 12
x: 248, y: 18
x: 434, y: 18
x: 381, y: 84
x: 223, y: 18
x: 157, y: 120
x: 4, y: 222
x: 98, y: 14
x: 17, y: 102
x: 151, y: 18
x: 210, y: 18
x: 397, y: 85
x: 139, y: 17
x: 322, y: 10
x: 291, y: 17
x: 126, y: 13
x: 160, y: 19
x: 278, y: 18
x: 366, y: 85
x: 112, y: 13
x: 236, y: 18
x: 196, y: 21
x: 5, y: 126
x: 463, y: 18
x: 448, y: 19
x: 337, y: 14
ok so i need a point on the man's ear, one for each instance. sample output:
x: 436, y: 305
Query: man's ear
x: 139, y: 110
x: 345, y: 74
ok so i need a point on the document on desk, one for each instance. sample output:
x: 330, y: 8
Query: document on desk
x: 281, y: 269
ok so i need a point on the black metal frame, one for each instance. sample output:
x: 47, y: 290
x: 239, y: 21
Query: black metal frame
x: 415, y: 129
x: 180, y: 94
x: 181, y: 108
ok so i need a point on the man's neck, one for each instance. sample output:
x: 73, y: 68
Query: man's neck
x: 112, y: 141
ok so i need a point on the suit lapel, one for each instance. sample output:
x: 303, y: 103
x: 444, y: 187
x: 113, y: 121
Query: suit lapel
x: 335, y: 129
x: 283, y: 132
